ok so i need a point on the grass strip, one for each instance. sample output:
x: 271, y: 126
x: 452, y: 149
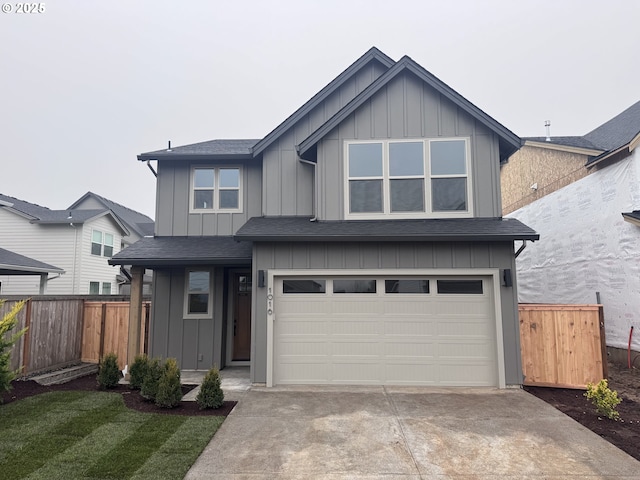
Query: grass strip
x: 37, y: 450
x: 175, y: 457
x: 128, y: 456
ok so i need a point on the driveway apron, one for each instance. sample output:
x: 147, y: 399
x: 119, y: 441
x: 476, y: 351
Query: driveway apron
x: 404, y: 433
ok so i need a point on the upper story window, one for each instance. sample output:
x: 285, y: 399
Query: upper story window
x: 216, y: 189
x: 408, y: 179
x: 101, y: 243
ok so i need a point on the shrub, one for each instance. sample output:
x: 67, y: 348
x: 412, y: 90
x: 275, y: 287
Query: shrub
x: 149, y: 388
x: 109, y: 372
x: 604, y: 399
x: 137, y: 371
x: 169, y: 389
x: 7, y: 323
x: 210, y: 395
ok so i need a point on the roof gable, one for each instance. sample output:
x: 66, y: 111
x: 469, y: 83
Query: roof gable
x: 371, y: 55
x: 136, y: 221
x: 509, y: 141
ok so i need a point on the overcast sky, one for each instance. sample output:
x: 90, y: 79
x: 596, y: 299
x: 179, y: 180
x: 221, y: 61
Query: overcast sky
x: 88, y: 85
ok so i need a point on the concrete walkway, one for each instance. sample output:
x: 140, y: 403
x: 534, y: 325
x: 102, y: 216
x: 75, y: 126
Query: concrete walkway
x: 404, y: 433
x: 234, y: 381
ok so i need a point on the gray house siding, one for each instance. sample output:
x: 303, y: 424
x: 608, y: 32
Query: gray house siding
x: 172, y: 213
x: 350, y: 256
x: 195, y: 343
x: 408, y: 108
x: 288, y: 183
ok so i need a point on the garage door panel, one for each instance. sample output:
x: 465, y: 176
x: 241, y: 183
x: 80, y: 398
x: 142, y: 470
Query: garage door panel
x: 385, y: 339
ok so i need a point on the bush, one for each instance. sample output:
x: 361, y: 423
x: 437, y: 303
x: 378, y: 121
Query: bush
x: 210, y: 395
x: 7, y: 323
x: 138, y: 371
x: 604, y: 399
x: 109, y: 372
x: 169, y: 389
x: 149, y: 388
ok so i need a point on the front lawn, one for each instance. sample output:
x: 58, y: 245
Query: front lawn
x: 92, y: 435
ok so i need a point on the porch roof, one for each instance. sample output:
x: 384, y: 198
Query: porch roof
x: 184, y: 251
x: 431, y: 230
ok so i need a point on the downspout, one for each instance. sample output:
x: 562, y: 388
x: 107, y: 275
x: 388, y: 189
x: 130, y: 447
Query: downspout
x: 522, y: 247
x: 155, y: 174
x: 315, y: 189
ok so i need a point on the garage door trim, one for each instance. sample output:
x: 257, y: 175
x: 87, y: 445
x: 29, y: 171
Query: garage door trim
x: 458, y: 272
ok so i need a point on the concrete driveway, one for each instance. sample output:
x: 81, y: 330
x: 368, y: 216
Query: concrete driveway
x: 404, y: 433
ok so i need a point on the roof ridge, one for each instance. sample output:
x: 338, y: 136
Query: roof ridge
x: 24, y: 201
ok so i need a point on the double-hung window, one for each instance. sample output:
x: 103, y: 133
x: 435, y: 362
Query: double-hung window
x: 198, y: 294
x: 216, y: 189
x: 407, y: 179
x: 101, y: 243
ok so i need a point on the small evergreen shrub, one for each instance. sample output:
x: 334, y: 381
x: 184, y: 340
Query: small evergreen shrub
x: 604, y: 399
x: 109, y: 372
x: 149, y: 388
x: 7, y: 323
x: 169, y: 389
x: 210, y: 395
x: 138, y: 371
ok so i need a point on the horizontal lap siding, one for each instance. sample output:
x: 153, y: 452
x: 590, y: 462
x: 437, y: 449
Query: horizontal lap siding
x: 354, y: 256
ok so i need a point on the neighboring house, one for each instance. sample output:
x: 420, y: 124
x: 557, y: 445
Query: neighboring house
x: 79, y: 242
x: 585, y: 207
x: 138, y: 225
x: 14, y: 264
x: 360, y: 242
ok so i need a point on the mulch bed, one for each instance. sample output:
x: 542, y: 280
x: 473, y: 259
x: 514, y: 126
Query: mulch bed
x: 624, y: 433
x: 132, y: 398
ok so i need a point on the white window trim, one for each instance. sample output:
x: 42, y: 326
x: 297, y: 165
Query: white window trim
x: 216, y: 189
x: 209, y: 314
x: 387, y: 213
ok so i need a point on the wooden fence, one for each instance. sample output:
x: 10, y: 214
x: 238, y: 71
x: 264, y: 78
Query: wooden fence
x: 64, y: 331
x: 562, y: 345
x: 106, y: 330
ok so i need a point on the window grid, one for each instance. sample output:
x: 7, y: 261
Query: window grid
x: 427, y: 177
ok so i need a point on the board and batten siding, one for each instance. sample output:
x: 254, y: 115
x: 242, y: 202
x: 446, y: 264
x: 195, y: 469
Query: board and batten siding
x: 173, y: 201
x: 196, y: 343
x: 407, y: 108
x: 352, y: 257
x: 288, y: 183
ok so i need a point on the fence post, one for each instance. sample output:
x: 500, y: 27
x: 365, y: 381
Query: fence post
x: 103, y: 324
x: 27, y: 338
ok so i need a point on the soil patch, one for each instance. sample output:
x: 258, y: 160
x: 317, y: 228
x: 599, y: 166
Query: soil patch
x: 624, y: 433
x: 132, y: 398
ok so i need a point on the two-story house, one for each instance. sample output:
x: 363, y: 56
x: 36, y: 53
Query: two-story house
x: 360, y: 242
x: 78, y: 241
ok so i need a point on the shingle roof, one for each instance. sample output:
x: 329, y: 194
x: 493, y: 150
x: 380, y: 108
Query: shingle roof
x: 43, y: 215
x: 436, y: 230
x: 167, y: 251
x: 579, y: 142
x: 632, y: 216
x: 618, y: 131
x: 136, y: 221
x: 12, y: 263
x: 509, y: 142
x: 211, y: 149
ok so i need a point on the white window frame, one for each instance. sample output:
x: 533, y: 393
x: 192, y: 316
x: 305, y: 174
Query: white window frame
x: 103, y: 239
x: 215, y: 208
x: 427, y: 177
x: 209, y: 313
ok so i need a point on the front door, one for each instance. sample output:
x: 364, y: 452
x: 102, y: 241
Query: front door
x: 241, y: 345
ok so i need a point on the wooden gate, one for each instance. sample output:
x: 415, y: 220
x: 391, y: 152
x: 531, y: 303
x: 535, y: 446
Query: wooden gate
x: 562, y: 345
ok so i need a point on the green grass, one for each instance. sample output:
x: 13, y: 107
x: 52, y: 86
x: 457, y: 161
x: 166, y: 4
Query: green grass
x: 92, y: 435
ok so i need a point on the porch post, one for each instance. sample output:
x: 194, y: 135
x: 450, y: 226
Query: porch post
x: 135, y: 315
x: 43, y: 282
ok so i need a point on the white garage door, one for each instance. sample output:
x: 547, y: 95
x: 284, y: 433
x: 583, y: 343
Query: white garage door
x: 385, y: 331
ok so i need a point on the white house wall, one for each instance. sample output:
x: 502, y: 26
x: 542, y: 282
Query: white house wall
x: 95, y: 268
x: 586, y: 247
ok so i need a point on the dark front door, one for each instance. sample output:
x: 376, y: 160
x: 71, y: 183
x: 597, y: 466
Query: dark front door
x: 241, y: 316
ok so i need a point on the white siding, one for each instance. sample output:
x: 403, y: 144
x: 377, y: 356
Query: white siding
x: 64, y: 246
